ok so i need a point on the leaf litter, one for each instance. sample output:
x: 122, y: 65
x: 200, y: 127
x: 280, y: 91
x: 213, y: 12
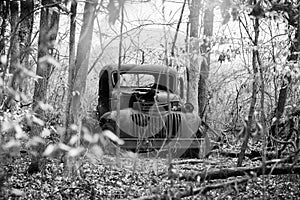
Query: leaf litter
x: 131, y: 177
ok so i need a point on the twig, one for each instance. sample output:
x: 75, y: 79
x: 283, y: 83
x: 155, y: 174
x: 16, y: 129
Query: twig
x: 284, y: 142
x: 193, y: 161
x: 116, y: 37
x: 177, y: 29
x: 211, y: 129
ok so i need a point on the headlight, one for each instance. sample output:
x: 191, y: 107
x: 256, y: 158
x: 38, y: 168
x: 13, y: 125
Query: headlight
x: 188, y: 107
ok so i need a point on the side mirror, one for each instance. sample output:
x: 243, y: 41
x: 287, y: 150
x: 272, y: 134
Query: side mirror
x: 114, y: 78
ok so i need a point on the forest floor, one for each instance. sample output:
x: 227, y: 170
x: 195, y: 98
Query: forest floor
x: 132, y: 177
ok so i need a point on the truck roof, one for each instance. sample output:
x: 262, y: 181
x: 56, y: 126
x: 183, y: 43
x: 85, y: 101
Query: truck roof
x: 140, y: 68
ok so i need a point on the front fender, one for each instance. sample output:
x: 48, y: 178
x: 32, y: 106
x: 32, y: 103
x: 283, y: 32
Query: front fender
x: 190, y: 125
x: 109, y: 120
x: 136, y: 124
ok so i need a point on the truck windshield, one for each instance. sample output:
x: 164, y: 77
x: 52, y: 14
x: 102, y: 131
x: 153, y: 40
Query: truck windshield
x: 136, y: 80
x: 142, y: 80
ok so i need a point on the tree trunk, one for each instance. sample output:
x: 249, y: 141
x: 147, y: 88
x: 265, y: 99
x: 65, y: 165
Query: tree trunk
x: 176, y: 33
x: 14, y: 43
x: 195, y: 59
x: 4, y: 6
x: 4, y: 10
x: 83, y: 53
x: 82, y: 57
x: 14, y: 55
x: 26, y: 27
x: 283, y: 92
x: 49, y: 21
x: 253, y: 96
x: 205, y: 49
x: 71, y: 70
x: 80, y: 74
x: 224, y: 173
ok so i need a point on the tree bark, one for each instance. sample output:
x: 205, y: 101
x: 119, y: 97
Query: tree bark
x: 195, y: 59
x: 49, y: 21
x: 225, y: 173
x: 82, y: 59
x: 14, y: 54
x: 26, y: 27
x: 205, y: 49
x: 294, y: 21
x: 177, y: 30
x: 4, y: 6
x: 83, y: 53
x: 14, y: 43
x: 253, y: 96
x: 71, y: 70
x: 80, y: 75
x: 4, y: 14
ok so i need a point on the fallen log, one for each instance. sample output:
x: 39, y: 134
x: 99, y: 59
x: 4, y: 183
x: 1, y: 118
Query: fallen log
x: 191, y: 192
x: 251, y: 155
x: 193, y: 161
x: 224, y: 173
x: 204, y: 190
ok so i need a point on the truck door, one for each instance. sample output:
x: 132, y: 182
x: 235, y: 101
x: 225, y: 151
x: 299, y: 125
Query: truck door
x: 103, y: 96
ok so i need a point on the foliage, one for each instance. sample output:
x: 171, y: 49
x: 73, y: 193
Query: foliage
x: 229, y: 96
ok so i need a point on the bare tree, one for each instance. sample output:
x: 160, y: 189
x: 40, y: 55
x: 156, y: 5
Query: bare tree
x: 72, y: 58
x: 255, y: 88
x: 49, y: 21
x: 48, y: 32
x: 291, y: 11
x: 194, y: 69
x: 4, y: 8
x: 26, y: 26
x: 14, y: 55
x: 205, y: 49
x: 79, y: 75
x: 14, y: 42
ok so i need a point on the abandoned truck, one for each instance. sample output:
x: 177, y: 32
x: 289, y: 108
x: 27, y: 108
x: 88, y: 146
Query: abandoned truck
x: 153, y: 117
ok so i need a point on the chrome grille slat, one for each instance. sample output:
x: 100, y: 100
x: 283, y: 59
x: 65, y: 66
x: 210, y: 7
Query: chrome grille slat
x: 156, y: 125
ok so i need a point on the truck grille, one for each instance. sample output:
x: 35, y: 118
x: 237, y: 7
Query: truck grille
x: 157, y: 126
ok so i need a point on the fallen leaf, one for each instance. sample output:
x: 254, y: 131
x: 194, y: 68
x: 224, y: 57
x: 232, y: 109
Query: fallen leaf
x: 17, y: 192
x: 113, y: 137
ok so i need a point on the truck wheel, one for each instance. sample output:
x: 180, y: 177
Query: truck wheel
x: 202, y: 151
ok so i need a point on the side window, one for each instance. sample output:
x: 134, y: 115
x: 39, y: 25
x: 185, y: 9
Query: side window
x: 114, y: 78
x: 104, y: 85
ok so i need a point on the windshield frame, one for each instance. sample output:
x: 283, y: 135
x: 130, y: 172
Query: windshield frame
x: 157, y: 75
